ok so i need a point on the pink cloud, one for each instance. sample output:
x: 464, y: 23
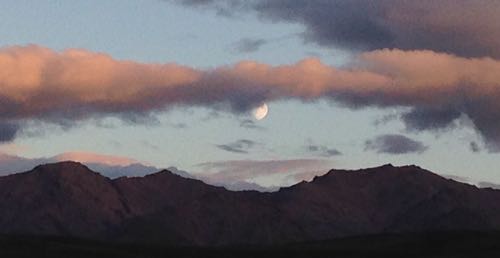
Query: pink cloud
x: 40, y: 84
x: 90, y: 157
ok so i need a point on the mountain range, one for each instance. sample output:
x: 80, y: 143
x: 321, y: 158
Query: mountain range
x: 67, y: 199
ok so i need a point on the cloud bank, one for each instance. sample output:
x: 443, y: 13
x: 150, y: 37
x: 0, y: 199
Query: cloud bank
x: 462, y: 27
x: 38, y: 84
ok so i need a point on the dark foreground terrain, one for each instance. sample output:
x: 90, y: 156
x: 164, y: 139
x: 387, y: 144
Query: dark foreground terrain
x: 448, y: 244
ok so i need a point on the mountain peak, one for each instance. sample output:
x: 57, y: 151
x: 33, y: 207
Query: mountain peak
x: 63, y: 166
x: 385, y: 174
x: 66, y: 171
x: 66, y: 164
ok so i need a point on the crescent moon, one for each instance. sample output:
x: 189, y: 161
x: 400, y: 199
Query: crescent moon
x: 260, y: 112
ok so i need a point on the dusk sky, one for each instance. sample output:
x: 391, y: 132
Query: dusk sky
x: 348, y: 84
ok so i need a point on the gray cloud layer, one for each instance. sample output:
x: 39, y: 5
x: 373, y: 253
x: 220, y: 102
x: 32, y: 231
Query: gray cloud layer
x: 394, y: 144
x: 463, y: 27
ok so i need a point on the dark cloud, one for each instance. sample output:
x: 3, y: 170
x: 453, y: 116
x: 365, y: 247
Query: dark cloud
x: 394, y: 144
x: 224, y: 8
x: 474, y: 147
x: 8, y: 131
x: 249, y: 124
x: 462, y: 27
x: 248, y: 45
x: 323, y: 151
x: 240, y: 146
x: 430, y: 119
x: 385, y: 119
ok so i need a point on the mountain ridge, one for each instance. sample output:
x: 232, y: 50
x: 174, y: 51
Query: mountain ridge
x: 69, y: 199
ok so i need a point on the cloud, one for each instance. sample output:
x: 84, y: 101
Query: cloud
x: 462, y: 27
x: 12, y: 148
x: 13, y: 164
x: 8, y: 132
x: 90, y: 157
x: 430, y: 118
x: 38, y: 84
x: 488, y: 185
x: 255, y: 170
x: 394, y: 144
x: 467, y: 180
x: 248, y: 45
x: 244, y: 186
x: 321, y: 150
x: 223, y: 8
x: 474, y: 147
x: 250, y: 124
x: 240, y: 146
x: 115, y: 171
x: 233, y: 185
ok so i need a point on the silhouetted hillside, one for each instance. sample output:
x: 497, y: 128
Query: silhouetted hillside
x: 69, y: 200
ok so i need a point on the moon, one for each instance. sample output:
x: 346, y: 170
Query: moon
x: 260, y: 113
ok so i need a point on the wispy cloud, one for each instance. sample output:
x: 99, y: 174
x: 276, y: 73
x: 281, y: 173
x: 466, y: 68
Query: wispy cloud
x: 249, y: 45
x: 321, y: 150
x: 240, y: 146
x: 253, y: 170
x: 90, y: 157
x: 488, y: 185
x: 250, y: 124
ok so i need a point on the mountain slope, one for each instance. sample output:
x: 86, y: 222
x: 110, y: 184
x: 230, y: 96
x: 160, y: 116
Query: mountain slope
x: 68, y: 199
x: 58, y: 199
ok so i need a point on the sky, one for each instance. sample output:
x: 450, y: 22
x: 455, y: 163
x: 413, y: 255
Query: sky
x: 349, y: 84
